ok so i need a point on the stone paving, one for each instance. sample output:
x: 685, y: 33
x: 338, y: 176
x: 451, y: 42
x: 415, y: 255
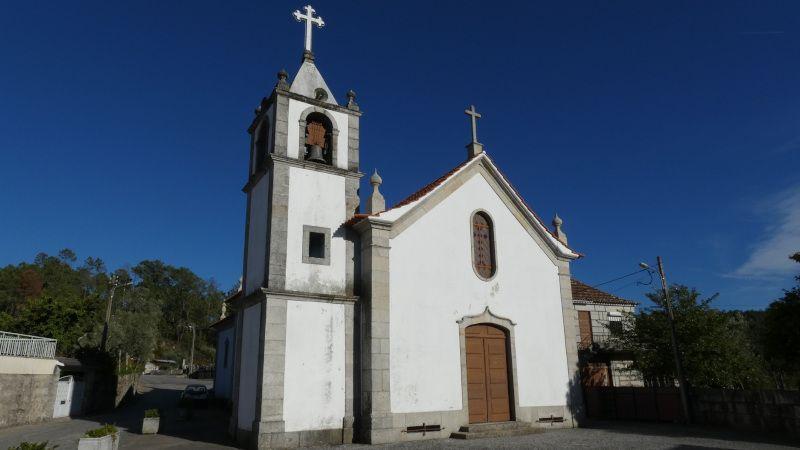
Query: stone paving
x: 616, y: 435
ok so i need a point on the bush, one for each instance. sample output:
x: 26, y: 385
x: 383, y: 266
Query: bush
x: 151, y: 414
x: 32, y: 446
x: 105, y: 430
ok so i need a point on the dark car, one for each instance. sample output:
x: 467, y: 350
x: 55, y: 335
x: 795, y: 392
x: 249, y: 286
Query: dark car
x: 194, y: 395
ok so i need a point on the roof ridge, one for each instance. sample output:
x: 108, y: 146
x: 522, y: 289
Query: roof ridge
x: 603, y: 296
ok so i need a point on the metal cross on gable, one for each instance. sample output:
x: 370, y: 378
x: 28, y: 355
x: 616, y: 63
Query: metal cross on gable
x: 310, y: 21
x: 474, y: 117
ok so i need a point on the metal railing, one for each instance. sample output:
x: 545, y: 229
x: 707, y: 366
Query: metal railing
x: 13, y: 344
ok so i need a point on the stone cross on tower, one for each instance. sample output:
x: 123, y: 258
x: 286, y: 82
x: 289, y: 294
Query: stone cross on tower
x: 310, y: 21
x: 474, y: 148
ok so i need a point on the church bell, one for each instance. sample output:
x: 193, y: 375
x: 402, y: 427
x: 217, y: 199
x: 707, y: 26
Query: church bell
x: 315, y: 154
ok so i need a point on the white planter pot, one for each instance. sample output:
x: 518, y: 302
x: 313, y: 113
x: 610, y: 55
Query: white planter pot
x: 150, y: 425
x: 110, y: 442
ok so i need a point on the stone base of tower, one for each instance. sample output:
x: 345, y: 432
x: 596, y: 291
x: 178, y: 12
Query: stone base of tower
x: 268, y: 436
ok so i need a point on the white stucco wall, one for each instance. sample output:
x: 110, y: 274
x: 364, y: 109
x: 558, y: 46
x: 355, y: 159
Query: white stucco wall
x: 314, y: 380
x: 27, y: 366
x: 296, y: 108
x: 316, y: 199
x: 257, y: 235
x: 223, y: 373
x: 248, y: 370
x: 432, y: 285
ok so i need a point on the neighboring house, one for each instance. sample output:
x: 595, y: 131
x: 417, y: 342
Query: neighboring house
x: 452, y: 307
x: 29, y: 380
x: 225, y: 329
x: 598, y: 313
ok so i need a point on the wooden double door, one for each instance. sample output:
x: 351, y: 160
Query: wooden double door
x: 488, y: 392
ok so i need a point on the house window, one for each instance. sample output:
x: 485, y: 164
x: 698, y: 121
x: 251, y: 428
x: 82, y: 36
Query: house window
x: 615, y: 322
x: 316, y: 245
x: 585, y: 328
x: 483, y: 253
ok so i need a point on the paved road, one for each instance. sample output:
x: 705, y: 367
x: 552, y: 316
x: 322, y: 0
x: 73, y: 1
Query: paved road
x: 615, y: 435
x: 206, y: 430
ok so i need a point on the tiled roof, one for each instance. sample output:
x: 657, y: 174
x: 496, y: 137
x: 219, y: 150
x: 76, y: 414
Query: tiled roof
x: 411, y: 198
x: 429, y: 187
x: 586, y: 293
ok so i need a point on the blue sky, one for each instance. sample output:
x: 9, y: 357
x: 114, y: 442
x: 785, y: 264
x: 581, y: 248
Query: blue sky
x: 652, y: 128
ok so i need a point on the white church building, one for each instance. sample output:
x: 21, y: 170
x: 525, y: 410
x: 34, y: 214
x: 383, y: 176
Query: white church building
x: 359, y: 322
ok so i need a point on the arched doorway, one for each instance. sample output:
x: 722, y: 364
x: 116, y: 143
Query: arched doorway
x: 488, y: 384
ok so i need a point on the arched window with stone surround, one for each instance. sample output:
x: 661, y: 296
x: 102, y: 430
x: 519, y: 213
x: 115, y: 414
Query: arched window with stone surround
x: 483, y: 253
x: 318, y: 138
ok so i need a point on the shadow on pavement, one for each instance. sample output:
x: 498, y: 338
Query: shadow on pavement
x: 205, y: 425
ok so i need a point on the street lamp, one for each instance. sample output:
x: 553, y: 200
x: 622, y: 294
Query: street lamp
x: 673, y: 338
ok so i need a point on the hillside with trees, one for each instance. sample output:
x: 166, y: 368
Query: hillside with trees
x: 153, y: 306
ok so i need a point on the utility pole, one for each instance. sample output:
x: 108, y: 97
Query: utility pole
x: 191, y: 355
x: 684, y: 391
x: 114, y: 286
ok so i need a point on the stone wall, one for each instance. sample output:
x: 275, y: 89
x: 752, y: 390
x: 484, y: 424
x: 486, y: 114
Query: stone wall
x: 126, y: 387
x: 26, y: 398
x: 757, y: 410
x: 623, y: 376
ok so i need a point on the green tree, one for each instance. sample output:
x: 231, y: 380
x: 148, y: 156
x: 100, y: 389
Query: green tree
x: 715, y: 348
x: 57, y: 297
x: 781, y: 335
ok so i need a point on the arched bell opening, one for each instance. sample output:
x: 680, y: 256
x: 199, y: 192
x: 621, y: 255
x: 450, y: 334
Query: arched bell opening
x: 318, y: 139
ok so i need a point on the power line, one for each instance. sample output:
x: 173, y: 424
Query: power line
x: 619, y: 278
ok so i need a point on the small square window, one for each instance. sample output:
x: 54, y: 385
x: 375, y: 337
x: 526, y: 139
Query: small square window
x: 316, y: 245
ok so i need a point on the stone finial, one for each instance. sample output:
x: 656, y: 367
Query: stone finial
x: 560, y: 235
x: 308, y: 55
x: 351, y: 100
x: 375, y: 203
x: 282, y: 83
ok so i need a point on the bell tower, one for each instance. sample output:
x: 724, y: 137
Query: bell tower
x: 295, y: 319
x: 304, y: 173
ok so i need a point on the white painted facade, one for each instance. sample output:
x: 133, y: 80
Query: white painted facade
x: 258, y: 233
x: 316, y: 199
x: 431, y: 271
x: 314, y: 386
x: 224, y: 361
x: 248, y: 373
